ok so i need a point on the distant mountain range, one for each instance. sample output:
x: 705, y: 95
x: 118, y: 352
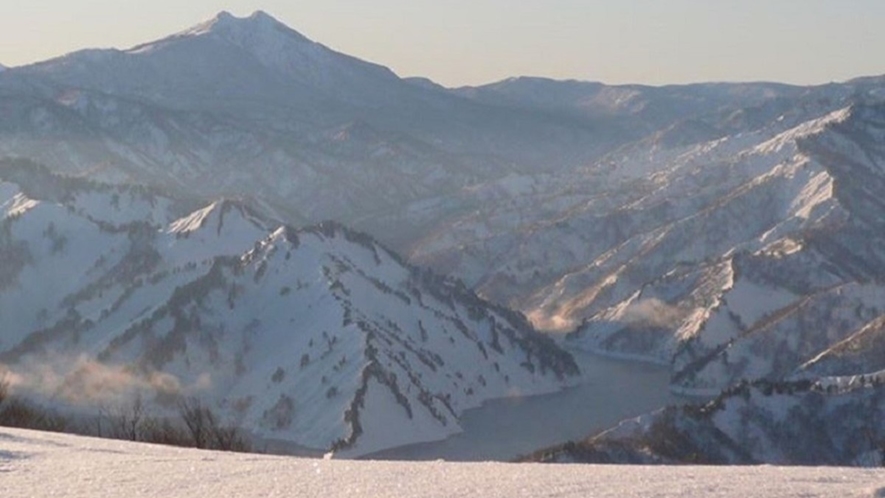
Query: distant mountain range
x: 732, y: 231
x: 251, y: 107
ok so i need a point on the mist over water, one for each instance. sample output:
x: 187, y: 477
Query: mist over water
x: 503, y: 429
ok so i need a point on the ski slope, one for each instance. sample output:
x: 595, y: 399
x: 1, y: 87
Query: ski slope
x: 41, y: 464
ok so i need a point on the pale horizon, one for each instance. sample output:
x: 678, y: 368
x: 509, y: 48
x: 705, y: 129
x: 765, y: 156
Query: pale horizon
x: 462, y: 43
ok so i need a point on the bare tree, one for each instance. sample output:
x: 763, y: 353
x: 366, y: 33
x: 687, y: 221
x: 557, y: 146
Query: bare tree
x: 205, y: 429
x: 128, y: 420
x: 4, y: 388
x: 199, y: 421
x: 164, y: 431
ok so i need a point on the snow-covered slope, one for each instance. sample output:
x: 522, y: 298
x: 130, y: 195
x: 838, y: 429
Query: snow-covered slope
x: 827, y: 422
x: 40, y: 464
x: 610, y: 207
x: 742, y: 257
x: 776, y: 261
x: 319, y: 337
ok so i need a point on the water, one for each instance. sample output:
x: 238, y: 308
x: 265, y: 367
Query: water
x: 503, y: 429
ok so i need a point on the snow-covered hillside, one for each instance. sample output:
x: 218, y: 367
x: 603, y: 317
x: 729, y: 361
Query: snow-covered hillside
x: 833, y: 421
x: 41, y: 464
x: 743, y: 257
x: 319, y: 336
x: 610, y: 210
x: 772, y: 259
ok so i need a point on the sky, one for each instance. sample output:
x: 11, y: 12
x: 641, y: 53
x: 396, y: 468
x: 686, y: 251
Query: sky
x: 470, y: 42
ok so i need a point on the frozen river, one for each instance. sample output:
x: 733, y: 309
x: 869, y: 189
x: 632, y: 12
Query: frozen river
x: 503, y: 429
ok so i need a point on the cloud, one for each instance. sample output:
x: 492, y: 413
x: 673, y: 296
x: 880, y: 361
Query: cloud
x: 652, y: 312
x: 83, y: 380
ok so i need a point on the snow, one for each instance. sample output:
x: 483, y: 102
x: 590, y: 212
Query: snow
x: 815, y: 126
x: 42, y: 464
x: 387, y: 424
x: 226, y: 21
x: 752, y: 301
x: 19, y: 205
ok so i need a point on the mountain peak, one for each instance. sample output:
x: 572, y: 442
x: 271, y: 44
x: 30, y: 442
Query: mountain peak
x: 226, y: 18
x: 262, y: 16
x: 259, y: 32
x: 260, y: 22
x: 223, y: 16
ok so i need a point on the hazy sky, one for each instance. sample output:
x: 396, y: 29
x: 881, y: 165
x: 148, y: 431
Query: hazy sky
x: 457, y: 42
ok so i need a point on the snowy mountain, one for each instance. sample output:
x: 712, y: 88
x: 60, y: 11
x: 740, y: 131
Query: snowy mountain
x: 240, y: 105
x: 44, y: 464
x: 598, y: 208
x: 729, y: 231
x: 770, y: 261
x: 829, y: 422
x: 261, y: 59
x: 502, y: 244
x: 319, y: 337
x: 742, y: 257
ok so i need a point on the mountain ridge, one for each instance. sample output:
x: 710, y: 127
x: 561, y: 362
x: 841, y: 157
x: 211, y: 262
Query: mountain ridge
x: 316, y: 336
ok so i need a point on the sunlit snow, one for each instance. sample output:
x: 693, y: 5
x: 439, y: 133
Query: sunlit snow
x: 40, y: 464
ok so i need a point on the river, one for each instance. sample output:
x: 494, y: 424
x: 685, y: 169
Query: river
x: 503, y: 429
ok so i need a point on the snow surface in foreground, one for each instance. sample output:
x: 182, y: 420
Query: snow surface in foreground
x: 40, y: 464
